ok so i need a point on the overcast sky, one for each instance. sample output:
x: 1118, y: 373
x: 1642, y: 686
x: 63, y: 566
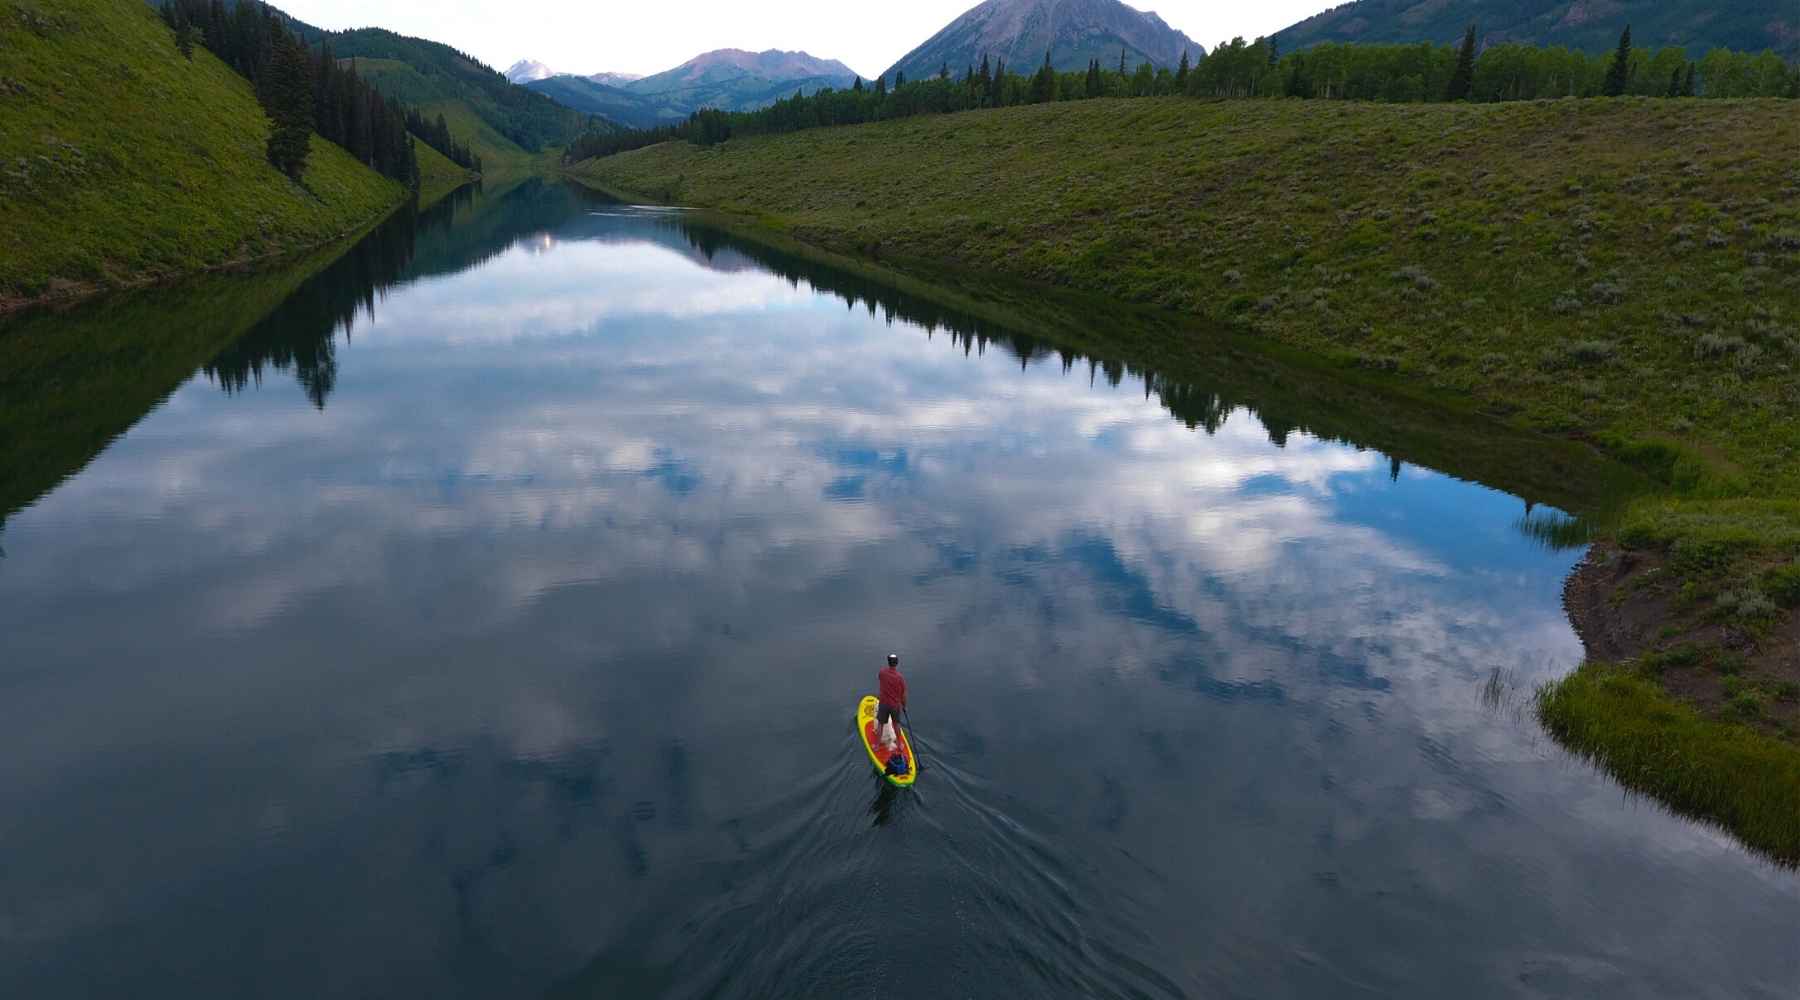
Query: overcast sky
x: 587, y: 36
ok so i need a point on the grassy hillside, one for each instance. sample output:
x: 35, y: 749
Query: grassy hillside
x: 437, y: 77
x: 124, y: 162
x: 1625, y: 273
x: 1694, y: 25
x: 437, y: 175
x: 397, y: 79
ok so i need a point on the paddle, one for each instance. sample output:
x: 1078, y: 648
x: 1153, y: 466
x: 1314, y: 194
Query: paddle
x: 918, y: 761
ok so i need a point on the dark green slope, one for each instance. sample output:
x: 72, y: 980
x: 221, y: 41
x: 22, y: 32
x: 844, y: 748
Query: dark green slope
x: 501, y: 122
x: 437, y: 75
x: 1695, y: 25
x: 615, y: 105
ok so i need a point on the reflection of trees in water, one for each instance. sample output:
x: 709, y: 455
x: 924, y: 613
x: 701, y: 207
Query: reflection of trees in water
x: 462, y: 231
x: 486, y: 224
x: 1199, y: 407
x: 301, y: 335
x: 465, y: 230
x: 1554, y: 529
x: 471, y: 227
x: 1227, y: 381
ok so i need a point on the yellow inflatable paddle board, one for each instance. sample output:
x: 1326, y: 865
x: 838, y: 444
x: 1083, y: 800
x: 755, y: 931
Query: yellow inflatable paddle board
x: 871, y: 741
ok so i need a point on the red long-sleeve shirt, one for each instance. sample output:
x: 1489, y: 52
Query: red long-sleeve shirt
x: 893, y: 687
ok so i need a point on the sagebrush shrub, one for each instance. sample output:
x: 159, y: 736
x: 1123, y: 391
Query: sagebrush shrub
x: 1712, y: 346
x: 1592, y: 352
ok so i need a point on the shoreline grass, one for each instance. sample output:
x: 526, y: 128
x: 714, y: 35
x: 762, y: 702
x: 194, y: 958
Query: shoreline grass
x: 1703, y: 768
x: 1622, y: 273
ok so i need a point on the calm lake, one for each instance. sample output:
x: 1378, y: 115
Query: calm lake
x: 484, y: 617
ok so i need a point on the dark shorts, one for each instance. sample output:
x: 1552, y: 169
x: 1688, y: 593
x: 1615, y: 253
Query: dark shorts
x: 883, y: 713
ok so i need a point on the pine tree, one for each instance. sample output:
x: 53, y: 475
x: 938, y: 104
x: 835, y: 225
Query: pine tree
x: 1121, y: 60
x: 899, y: 79
x: 1462, y: 80
x: 327, y: 97
x: 1675, y: 83
x: 215, y: 28
x: 1043, y: 83
x: 286, y: 94
x: 1687, y: 82
x: 857, y: 86
x: 1618, y: 75
x: 944, y: 73
x: 175, y: 16
x: 1298, y: 83
x: 881, y: 86
x: 1181, y: 72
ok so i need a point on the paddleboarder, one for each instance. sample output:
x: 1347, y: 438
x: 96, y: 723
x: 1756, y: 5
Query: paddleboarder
x: 893, y: 700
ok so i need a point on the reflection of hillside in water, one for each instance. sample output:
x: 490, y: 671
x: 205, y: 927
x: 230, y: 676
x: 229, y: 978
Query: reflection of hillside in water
x: 472, y: 226
x: 1206, y: 387
x: 1206, y: 390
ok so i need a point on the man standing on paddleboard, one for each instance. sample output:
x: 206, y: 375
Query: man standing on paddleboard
x: 893, y: 700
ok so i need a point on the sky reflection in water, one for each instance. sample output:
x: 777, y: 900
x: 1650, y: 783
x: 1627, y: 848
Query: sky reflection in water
x: 525, y: 663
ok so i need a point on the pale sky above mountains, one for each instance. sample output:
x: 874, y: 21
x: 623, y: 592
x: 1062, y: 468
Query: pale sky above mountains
x: 589, y: 36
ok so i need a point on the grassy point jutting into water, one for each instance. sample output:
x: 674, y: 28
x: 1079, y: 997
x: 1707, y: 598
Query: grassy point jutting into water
x: 1325, y: 481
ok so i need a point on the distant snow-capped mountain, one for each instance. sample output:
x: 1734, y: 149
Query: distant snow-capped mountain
x: 527, y: 70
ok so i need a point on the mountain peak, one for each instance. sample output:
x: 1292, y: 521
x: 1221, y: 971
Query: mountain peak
x: 773, y: 64
x: 1072, y: 31
x: 727, y: 79
x: 526, y: 70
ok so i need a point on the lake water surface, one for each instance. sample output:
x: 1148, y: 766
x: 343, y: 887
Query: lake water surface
x: 488, y: 619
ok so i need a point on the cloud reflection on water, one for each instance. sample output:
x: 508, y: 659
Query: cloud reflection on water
x: 571, y: 517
